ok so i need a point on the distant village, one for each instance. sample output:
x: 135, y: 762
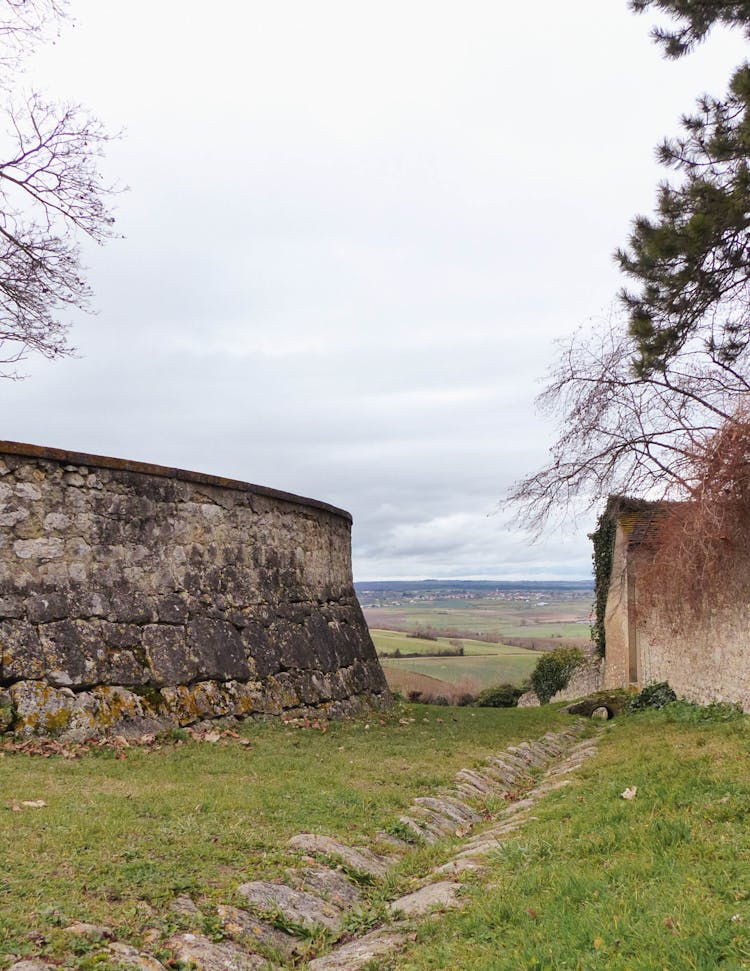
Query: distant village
x: 381, y: 594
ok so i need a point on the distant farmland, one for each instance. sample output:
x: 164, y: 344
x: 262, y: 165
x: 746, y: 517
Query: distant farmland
x: 485, y: 671
x: 566, y: 619
x: 388, y: 641
x: 481, y: 618
x: 481, y: 666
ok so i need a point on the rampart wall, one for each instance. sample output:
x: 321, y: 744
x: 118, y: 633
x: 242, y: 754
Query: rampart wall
x: 704, y: 658
x: 134, y: 597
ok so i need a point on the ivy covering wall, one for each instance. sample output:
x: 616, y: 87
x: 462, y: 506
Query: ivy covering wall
x: 603, y: 539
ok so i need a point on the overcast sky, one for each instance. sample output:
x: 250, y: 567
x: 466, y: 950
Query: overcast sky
x: 353, y: 232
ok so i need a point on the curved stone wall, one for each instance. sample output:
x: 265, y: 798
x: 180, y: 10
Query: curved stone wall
x: 134, y: 597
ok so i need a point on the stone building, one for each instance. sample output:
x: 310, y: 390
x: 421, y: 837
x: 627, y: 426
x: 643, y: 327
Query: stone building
x: 704, y: 658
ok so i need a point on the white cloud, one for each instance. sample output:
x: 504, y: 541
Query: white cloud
x: 353, y: 232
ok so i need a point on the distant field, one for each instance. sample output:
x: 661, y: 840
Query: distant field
x: 568, y: 618
x: 485, y: 671
x: 388, y: 641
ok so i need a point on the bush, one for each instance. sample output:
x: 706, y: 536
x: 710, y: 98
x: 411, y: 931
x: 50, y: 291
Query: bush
x: 553, y: 671
x: 499, y: 696
x: 655, y: 695
x: 465, y: 699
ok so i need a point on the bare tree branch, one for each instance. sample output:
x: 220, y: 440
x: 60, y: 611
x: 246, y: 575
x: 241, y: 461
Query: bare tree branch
x: 51, y: 195
x: 620, y: 433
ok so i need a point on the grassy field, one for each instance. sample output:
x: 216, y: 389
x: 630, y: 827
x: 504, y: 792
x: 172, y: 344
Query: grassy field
x: 567, y: 618
x: 122, y: 834
x: 387, y: 641
x: 598, y: 882
x: 482, y: 665
x: 486, y: 671
x: 592, y: 881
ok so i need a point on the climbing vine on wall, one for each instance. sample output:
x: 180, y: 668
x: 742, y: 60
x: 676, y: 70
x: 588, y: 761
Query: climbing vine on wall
x: 603, y: 539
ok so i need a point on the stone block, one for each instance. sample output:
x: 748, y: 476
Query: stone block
x: 218, y: 649
x: 168, y: 656
x: 47, y: 607
x: 21, y: 652
x: 73, y: 650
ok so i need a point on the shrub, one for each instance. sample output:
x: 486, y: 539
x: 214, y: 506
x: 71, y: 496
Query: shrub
x: 499, y: 696
x: 655, y: 695
x: 553, y: 671
x: 465, y: 699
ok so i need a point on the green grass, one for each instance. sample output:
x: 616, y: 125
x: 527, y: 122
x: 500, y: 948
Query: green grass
x: 390, y: 640
x: 120, y: 838
x: 591, y: 882
x: 485, y: 671
x: 598, y: 882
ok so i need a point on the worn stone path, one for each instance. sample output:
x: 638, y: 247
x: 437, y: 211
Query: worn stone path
x: 323, y: 895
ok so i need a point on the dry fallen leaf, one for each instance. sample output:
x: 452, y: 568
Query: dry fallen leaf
x: 630, y: 793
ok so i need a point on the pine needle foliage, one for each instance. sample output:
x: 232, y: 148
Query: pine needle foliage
x: 695, y: 19
x: 691, y: 260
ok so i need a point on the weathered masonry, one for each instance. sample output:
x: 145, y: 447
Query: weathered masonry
x: 134, y: 597
x: 704, y: 660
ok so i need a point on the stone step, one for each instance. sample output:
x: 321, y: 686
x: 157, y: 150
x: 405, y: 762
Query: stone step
x: 359, y: 858
x: 331, y: 885
x: 514, y: 760
x: 437, y: 824
x: 493, y: 835
x: 454, y: 809
x: 525, y: 752
x: 365, y: 950
x: 482, y: 784
x: 454, y: 868
x: 249, y: 930
x: 388, y: 839
x: 204, y: 955
x: 132, y: 957
x: 296, y: 906
x: 504, y: 779
x: 420, y: 831
x: 435, y: 896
